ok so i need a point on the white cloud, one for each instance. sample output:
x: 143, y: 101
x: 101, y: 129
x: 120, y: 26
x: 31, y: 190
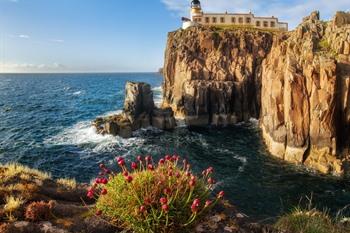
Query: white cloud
x: 291, y: 11
x: 23, y: 36
x: 57, y: 40
x: 29, y: 67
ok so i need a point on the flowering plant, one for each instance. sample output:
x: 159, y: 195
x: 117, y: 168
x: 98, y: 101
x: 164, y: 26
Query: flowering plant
x: 147, y: 197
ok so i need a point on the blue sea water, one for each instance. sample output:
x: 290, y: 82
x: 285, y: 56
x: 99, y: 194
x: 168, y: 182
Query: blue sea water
x: 45, y: 122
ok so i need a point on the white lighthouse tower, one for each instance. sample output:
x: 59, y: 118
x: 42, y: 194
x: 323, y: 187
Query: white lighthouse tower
x: 196, y: 12
x: 196, y: 9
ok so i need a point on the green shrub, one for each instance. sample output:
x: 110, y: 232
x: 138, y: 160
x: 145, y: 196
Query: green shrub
x: 308, y: 221
x: 154, y: 198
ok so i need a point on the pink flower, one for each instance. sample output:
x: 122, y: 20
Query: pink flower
x: 142, y: 209
x: 90, y: 194
x: 121, y: 162
x: 148, y: 158
x: 134, y: 165
x: 98, y: 181
x: 125, y: 173
x: 167, y: 157
x: 210, y: 170
x: 221, y: 194
x: 208, y: 203
x: 211, y: 181
x: 161, y: 162
x: 104, y: 181
x: 129, y: 179
x: 147, y: 201
x: 192, y: 183
x: 98, y: 212
x: 170, y: 173
x: 177, y: 174
x: 167, y: 191
x: 163, y: 201
x: 104, y: 192
x: 150, y: 167
x: 165, y: 208
x: 195, y: 206
x: 139, y: 158
x: 102, y: 166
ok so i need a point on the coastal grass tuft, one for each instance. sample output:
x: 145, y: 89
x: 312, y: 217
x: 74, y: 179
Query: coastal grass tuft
x: 13, y: 170
x: 153, y: 198
x: 12, y: 204
x: 311, y: 221
x: 67, y: 183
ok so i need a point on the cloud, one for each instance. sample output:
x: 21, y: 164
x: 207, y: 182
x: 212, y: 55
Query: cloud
x: 291, y: 11
x: 29, y: 67
x: 23, y: 36
x: 57, y: 40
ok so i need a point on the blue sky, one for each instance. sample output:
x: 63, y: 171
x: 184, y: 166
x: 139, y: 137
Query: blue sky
x: 113, y: 35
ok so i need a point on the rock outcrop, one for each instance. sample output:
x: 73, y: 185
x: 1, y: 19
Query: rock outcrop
x: 296, y: 83
x: 139, y: 112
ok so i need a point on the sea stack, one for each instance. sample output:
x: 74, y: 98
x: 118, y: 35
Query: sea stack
x: 139, y: 112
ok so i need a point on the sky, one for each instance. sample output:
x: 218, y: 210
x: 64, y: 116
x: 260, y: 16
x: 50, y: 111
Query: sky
x: 115, y: 35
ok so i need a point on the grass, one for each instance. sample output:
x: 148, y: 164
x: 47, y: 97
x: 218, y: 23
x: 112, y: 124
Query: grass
x: 243, y: 27
x: 12, y: 204
x: 67, y: 183
x: 324, y: 48
x: 13, y: 170
x: 311, y: 221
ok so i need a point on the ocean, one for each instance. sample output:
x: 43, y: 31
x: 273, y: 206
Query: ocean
x: 45, y: 123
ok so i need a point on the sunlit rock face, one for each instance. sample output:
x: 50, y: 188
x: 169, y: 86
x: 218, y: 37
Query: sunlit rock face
x: 213, y: 76
x: 296, y: 83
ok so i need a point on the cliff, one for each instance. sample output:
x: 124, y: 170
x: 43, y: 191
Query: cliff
x: 296, y: 83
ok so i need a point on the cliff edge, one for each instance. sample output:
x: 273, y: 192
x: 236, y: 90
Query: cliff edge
x: 296, y: 83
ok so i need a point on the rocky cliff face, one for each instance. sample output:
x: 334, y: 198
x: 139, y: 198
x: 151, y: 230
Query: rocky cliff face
x: 296, y: 83
x: 214, y: 77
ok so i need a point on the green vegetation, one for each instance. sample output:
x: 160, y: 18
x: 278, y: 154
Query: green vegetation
x: 324, y: 48
x: 241, y: 27
x: 164, y: 198
x: 311, y: 221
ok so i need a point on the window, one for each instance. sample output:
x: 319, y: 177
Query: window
x: 214, y: 19
x: 258, y: 24
x: 207, y: 20
x: 248, y: 20
x: 273, y: 24
x: 233, y: 20
x: 240, y: 20
x: 266, y: 24
x: 222, y: 20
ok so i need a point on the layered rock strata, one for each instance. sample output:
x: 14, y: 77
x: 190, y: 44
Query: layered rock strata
x: 139, y: 112
x: 296, y: 83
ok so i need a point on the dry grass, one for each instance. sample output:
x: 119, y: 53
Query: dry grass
x: 310, y: 221
x: 67, y: 183
x: 12, y: 204
x: 12, y: 170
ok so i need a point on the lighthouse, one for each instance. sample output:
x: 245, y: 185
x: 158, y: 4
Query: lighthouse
x: 196, y: 9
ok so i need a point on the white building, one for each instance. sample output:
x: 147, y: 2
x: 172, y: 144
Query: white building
x: 227, y: 19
